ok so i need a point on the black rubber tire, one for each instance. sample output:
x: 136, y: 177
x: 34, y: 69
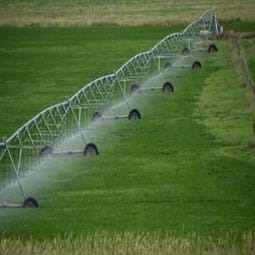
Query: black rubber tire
x: 167, y: 65
x: 134, y: 114
x: 90, y: 150
x: 212, y: 48
x: 196, y: 65
x: 96, y: 116
x: 30, y: 202
x: 168, y: 87
x: 186, y: 51
x: 134, y: 89
x: 45, y: 151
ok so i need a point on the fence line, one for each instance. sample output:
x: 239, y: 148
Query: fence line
x: 244, y: 67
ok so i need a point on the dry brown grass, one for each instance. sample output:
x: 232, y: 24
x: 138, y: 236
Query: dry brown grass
x: 133, y: 244
x: 80, y: 13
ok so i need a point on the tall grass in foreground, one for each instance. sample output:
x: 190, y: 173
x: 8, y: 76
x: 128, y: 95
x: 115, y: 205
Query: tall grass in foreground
x: 129, y: 243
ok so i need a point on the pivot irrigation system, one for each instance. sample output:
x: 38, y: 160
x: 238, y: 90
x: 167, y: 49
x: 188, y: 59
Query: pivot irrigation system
x: 37, y: 138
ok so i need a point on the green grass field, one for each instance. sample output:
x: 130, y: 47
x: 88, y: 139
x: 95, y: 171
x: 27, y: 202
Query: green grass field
x: 40, y: 65
x: 180, y: 181
x: 187, y: 167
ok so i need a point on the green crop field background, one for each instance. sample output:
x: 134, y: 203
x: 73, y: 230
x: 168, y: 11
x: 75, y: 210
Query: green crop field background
x: 179, y: 181
x: 40, y: 65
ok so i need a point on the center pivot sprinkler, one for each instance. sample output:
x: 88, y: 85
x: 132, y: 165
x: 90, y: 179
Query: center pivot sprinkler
x: 39, y: 136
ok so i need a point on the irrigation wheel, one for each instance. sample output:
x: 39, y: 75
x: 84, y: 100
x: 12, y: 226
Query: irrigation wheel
x: 186, y: 51
x: 167, y: 65
x: 45, y: 151
x: 90, y: 150
x: 134, y: 115
x: 96, y: 116
x: 196, y: 65
x: 212, y: 48
x: 134, y: 89
x: 168, y: 87
x: 30, y: 202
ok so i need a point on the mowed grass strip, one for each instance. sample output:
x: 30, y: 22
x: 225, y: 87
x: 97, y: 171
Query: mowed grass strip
x: 80, y: 13
x: 186, y: 167
x: 40, y: 67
